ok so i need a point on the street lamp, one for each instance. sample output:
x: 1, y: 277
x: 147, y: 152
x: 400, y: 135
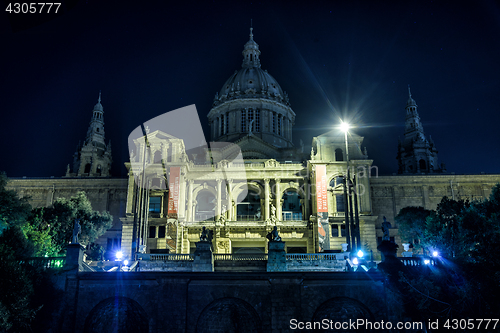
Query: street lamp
x: 344, y: 126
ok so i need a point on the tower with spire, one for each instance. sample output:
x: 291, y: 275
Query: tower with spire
x: 93, y: 157
x: 416, y: 154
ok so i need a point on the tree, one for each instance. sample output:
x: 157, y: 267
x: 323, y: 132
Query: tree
x: 13, y: 210
x: 62, y: 215
x: 467, y: 236
x: 411, y: 222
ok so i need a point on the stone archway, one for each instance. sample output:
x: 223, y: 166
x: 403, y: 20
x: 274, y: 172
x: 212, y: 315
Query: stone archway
x: 342, y: 309
x: 229, y: 315
x: 117, y: 315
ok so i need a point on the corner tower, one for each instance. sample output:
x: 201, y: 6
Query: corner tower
x: 416, y: 154
x: 93, y: 158
x: 252, y: 104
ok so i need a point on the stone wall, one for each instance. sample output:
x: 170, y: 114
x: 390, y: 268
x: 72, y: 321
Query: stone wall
x: 105, y: 194
x: 220, y: 302
x: 392, y: 193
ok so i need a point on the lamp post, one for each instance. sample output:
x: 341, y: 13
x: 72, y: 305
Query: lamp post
x: 345, y: 128
x: 349, y: 218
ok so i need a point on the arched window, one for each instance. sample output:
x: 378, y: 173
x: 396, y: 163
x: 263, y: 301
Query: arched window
x: 87, y: 168
x: 248, y: 208
x: 422, y: 164
x: 291, y: 208
x: 339, y: 155
x: 205, y: 208
x: 98, y: 170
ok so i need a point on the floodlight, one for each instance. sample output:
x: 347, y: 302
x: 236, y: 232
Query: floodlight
x: 427, y: 261
x: 119, y: 255
x: 355, y: 261
x: 360, y: 254
x: 345, y: 127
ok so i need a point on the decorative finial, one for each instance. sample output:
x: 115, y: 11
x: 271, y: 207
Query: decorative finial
x: 409, y: 92
x: 99, y: 100
x: 251, y: 29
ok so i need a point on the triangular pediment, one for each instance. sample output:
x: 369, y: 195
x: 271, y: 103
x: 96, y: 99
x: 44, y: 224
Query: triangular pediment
x: 254, y: 147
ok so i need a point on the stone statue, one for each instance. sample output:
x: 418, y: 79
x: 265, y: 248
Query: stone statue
x: 250, y: 128
x: 274, y: 219
x: 385, y: 228
x: 273, y: 236
x: 76, y: 230
x: 204, y: 235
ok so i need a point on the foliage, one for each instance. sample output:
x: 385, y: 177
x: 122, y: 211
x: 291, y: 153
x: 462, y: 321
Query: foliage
x: 411, y: 223
x: 13, y: 210
x: 467, y: 236
x: 95, y: 252
x: 37, y: 230
x: 16, y: 289
x: 64, y: 212
x: 28, y: 298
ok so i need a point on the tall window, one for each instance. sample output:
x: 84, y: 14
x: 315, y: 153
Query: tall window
x: 243, y: 120
x: 221, y: 128
x: 339, y: 155
x: 257, y: 121
x: 250, y: 115
x: 280, y: 118
x: 340, y: 203
x: 274, y: 122
x: 226, y: 130
x: 154, y: 204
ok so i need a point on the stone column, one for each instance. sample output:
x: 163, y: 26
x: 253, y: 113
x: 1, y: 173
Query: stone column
x: 266, y: 199
x: 277, y: 195
x: 189, y: 215
x: 219, y: 199
x: 230, y: 199
x: 307, y: 192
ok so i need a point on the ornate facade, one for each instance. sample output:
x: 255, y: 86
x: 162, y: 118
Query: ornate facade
x: 252, y: 178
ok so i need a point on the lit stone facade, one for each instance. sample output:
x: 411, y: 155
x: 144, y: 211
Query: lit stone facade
x: 275, y: 184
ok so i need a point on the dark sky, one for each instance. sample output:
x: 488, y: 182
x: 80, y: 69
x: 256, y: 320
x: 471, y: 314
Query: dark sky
x: 334, y: 58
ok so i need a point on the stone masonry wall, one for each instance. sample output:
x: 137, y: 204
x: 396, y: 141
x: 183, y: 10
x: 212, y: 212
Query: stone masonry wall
x: 220, y: 302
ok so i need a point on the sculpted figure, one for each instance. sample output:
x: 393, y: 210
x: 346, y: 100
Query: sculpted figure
x: 385, y: 228
x: 273, y: 236
x: 76, y: 230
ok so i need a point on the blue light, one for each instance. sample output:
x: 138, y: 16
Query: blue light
x: 435, y: 253
x: 360, y: 254
x: 119, y: 255
x: 427, y: 261
x: 355, y: 261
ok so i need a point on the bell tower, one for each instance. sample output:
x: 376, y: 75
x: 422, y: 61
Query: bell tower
x: 416, y: 154
x: 93, y: 158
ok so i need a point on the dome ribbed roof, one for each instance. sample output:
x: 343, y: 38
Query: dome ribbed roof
x: 251, y: 81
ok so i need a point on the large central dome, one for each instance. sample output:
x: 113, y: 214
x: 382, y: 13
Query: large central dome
x: 252, y: 105
x: 251, y: 80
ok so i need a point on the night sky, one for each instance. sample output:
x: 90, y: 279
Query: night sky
x: 335, y: 59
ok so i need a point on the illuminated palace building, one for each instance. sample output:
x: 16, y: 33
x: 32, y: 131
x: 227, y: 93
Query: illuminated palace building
x: 251, y: 178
